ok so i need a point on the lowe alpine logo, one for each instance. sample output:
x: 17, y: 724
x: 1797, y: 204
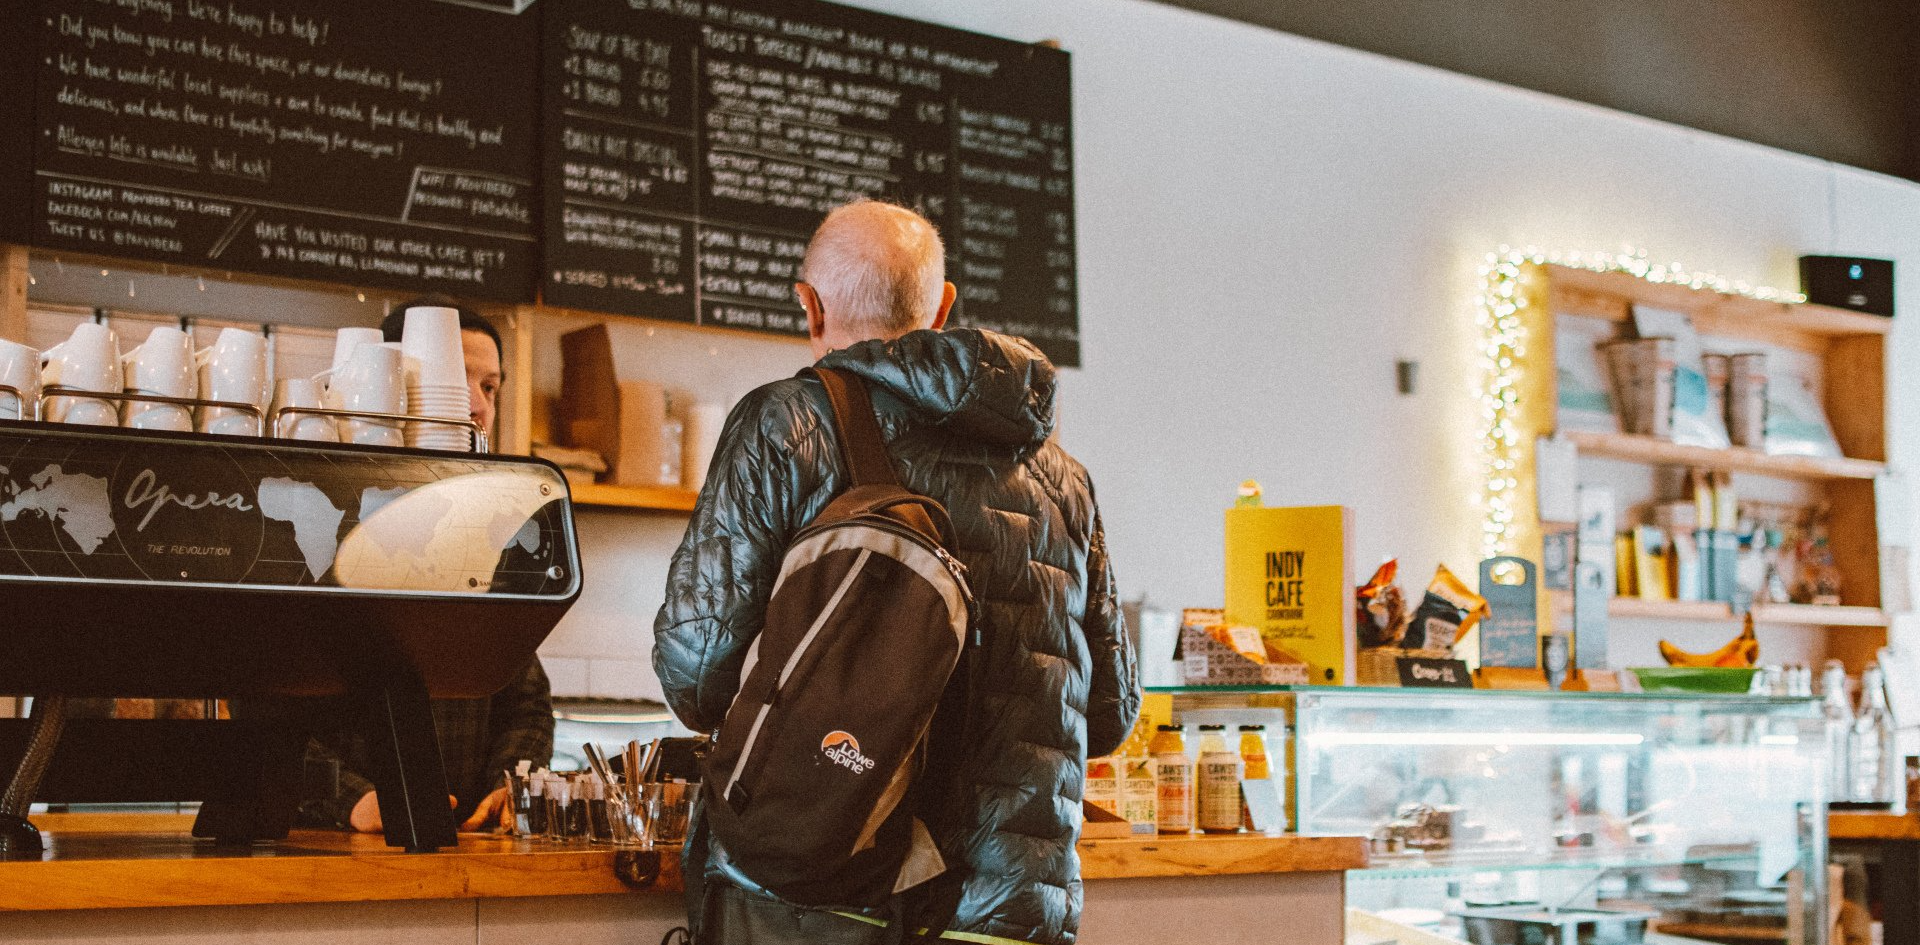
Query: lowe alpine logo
x: 843, y: 749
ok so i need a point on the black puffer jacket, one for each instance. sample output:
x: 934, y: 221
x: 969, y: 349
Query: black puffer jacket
x: 966, y: 414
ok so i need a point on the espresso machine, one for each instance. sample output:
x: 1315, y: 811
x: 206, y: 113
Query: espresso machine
x: 309, y: 585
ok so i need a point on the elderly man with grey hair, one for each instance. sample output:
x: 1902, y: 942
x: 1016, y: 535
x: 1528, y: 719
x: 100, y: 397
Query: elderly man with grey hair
x: 967, y: 416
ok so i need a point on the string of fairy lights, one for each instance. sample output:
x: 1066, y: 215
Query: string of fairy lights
x: 1503, y: 349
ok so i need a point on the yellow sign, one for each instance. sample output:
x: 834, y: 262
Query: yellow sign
x: 1287, y: 575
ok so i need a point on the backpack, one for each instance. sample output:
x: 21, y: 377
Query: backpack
x: 809, y: 787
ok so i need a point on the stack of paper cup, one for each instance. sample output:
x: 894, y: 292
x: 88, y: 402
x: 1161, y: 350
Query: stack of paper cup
x: 436, y: 369
x: 1643, y: 384
x: 1747, y: 400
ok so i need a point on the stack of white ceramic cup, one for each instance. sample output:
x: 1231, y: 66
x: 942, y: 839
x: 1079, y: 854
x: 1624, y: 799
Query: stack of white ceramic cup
x: 300, y: 392
x: 163, y: 365
x: 89, y: 360
x: 20, y: 370
x: 368, y: 376
x: 233, y: 370
x: 436, y: 370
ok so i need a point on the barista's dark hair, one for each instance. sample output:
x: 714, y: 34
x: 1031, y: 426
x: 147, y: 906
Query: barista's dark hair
x: 470, y: 320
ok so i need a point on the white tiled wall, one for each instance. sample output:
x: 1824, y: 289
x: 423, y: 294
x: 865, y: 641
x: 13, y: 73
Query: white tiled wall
x: 603, y: 648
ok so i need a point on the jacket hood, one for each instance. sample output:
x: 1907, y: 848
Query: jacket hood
x: 976, y: 384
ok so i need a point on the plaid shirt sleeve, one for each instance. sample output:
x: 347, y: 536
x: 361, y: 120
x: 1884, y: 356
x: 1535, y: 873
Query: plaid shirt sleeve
x: 520, y: 719
x: 479, y: 738
x: 349, y: 787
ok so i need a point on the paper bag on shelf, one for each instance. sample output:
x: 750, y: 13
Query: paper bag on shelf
x: 587, y: 414
x: 621, y: 420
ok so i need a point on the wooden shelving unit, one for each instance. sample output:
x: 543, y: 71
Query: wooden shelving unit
x: 1771, y: 615
x: 1646, y: 449
x: 1612, y: 295
x: 637, y: 498
x: 1849, y: 347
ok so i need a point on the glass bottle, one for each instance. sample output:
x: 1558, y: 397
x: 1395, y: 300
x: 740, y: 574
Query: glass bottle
x: 1837, y: 709
x: 1103, y: 783
x: 1253, y: 752
x: 1873, y: 741
x: 1173, y: 770
x: 1219, y: 782
x: 1139, y: 787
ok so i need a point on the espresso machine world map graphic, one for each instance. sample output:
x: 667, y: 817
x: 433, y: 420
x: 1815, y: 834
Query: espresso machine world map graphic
x: 122, y: 508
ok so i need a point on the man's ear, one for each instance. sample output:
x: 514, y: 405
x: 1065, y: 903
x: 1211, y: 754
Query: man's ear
x: 816, y: 314
x: 947, y: 295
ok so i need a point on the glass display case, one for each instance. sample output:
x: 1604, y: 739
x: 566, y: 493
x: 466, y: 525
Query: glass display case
x: 1697, y: 812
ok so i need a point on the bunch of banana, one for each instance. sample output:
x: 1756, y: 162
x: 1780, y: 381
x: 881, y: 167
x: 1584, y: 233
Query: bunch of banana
x: 1741, y: 651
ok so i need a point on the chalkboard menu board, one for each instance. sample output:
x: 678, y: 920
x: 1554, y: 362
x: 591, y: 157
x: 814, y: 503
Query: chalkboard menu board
x: 691, y: 148
x: 16, y: 118
x: 375, y: 142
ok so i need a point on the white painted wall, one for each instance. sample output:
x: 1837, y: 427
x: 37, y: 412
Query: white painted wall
x: 1265, y: 224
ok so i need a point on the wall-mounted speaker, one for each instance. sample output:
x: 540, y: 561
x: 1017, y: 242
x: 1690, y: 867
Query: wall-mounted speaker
x: 1864, y: 285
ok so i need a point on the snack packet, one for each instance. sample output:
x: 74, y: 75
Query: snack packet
x: 1450, y: 609
x: 1380, y: 608
x: 1241, y: 639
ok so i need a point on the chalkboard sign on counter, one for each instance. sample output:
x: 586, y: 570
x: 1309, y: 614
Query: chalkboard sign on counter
x: 386, y: 143
x: 691, y: 148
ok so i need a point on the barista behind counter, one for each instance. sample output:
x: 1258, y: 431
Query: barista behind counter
x: 479, y: 738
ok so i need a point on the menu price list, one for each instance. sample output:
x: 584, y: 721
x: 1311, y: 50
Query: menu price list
x: 381, y: 144
x: 16, y: 115
x: 692, y: 147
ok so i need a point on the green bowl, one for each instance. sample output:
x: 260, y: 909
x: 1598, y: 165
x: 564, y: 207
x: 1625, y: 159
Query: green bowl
x: 1714, y: 679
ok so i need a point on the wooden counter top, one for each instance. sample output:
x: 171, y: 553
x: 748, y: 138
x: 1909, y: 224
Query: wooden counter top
x: 94, y: 863
x: 106, y: 861
x: 1226, y: 854
x: 1867, y: 825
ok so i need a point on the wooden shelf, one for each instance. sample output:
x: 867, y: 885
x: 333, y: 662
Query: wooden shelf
x: 1612, y: 295
x: 1872, y: 825
x: 1850, y: 349
x: 1646, y: 449
x: 1778, y: 615
x: 639, y: 498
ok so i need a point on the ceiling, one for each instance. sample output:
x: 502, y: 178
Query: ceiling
x: 1832, y: 80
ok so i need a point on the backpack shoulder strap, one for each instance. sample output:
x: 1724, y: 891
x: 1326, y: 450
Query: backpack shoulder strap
x: 861, y: 443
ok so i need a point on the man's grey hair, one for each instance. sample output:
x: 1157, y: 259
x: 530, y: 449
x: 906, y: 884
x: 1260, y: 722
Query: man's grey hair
x: 879, y: 268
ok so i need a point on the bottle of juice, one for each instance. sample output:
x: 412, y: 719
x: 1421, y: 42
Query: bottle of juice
x: 1103, y: 783
x: 1173, y: 770
x: 1140, y: 792
x: 1254, y: 766
x: 1253, y: 752
x: 1219, y: 782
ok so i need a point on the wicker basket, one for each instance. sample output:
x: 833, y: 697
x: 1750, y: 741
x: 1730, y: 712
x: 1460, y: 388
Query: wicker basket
x: 1380, y: 666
